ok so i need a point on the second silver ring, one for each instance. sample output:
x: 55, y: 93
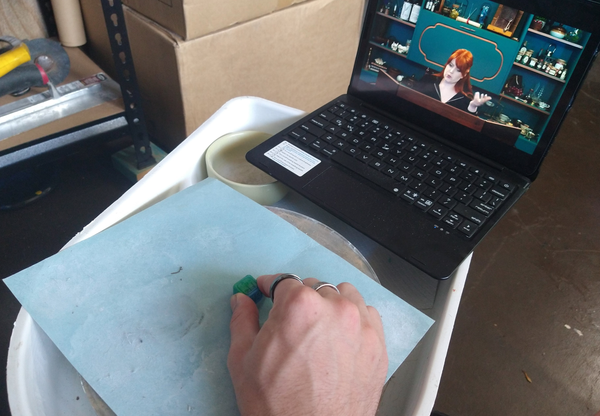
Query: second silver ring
x: 320, y: 285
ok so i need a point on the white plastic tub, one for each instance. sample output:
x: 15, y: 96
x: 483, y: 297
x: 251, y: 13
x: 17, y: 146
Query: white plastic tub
x: 41, y: 382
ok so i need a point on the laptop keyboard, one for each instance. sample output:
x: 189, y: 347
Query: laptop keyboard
x: 457, y: 194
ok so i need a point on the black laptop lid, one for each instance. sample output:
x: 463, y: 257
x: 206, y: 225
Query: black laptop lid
x: 530, y: 57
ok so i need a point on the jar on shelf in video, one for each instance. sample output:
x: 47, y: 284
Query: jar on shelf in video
x: 561, y: 68
x: 558, y: 32
x: 574, y: 36
x: 560, y: 65
x: 538, y: 23
x: 527, y: 57
x: 521, y: 53
x: 454, y: 13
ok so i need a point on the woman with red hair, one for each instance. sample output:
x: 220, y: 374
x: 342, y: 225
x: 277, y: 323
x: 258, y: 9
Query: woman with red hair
x: 453, y: 84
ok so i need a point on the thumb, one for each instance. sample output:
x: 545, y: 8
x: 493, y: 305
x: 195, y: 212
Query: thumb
x: 244, y: 327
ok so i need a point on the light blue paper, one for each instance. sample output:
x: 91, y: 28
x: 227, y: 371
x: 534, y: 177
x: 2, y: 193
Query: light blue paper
x: 142, y: 312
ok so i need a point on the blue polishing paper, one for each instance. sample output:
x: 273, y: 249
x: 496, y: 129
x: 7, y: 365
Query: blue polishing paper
x: 141, y: 310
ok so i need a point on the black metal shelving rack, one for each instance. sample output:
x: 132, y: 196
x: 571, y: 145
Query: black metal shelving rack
x: 130, y: 122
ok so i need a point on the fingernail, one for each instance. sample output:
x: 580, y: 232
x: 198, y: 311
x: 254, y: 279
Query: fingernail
x: 233, y: 302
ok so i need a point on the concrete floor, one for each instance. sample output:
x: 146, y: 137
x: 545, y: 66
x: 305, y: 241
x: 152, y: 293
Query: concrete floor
x: 527, y: 335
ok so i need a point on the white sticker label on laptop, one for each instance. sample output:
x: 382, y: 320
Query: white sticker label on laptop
x: 292, y: 158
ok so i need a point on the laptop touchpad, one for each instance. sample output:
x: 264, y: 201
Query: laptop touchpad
x: 357, y: 203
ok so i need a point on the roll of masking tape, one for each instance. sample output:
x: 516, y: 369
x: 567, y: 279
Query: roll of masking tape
x: 13, y: 58
x: 69, y: 22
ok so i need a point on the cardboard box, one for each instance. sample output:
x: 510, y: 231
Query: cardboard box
x: 301, y: 56
x: 191, y: 19
x: 81, y: 67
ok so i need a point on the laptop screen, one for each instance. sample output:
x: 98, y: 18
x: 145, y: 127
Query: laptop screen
x: 494, y: 78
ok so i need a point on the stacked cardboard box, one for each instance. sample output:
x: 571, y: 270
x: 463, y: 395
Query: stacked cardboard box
x: 191, y: 19
x: 300, y: 55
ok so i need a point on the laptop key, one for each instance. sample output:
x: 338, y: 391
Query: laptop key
x: 396, y: 188
x: 410, y: 195
x: 349, y: 127
x: 326, y: 115
x: 296, y: 133
x: 390, y: 171
x: 307, y: 138
x: 482, y: 207
x: 499, y: 192
x: 419, y: 174
x: 448, y: 189
x: 353, y: 151
x: 468, y: 228
x: 468, y: 176
x: 495, y: 201
x: 364, y: 157
x: 328, y: 137
x: 447, y: 202
x: 482, y: 195
x: 313, y: 129
x: 470, y: 214
x: 367, y: 147
x: 508, y: 186
x: 329, y: 151
x: 438, y: 172
x: 424, y: 203
x: 418, y: 186
x: 354, y: 141
x: 377, y: 164
x: 343, y: 135
x: 405, y: 179
x: 318, y: 123
x: 332, y: 129
x: 463, y: 197
x: 452, y: 221
x: 438, y: 211
x: 432, y: 193
x: 391, y: 160
x: 483, y: 183
x: 338, y: 122
x: 380, y: 154
x: 340, y: 144
x: 318, y: 144
x: 466, y: 187
x: 490, y: 177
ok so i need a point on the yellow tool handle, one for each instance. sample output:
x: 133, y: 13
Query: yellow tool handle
x: 13, y: 58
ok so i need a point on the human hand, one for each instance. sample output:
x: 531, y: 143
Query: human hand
x: 319, y: 353
x: 478, y: 100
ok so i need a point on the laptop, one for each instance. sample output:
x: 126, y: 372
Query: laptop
x: 450, y: 111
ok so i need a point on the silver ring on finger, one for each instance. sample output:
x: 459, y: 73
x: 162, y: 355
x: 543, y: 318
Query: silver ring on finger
x: 278, y: 280
x: 320, y: 285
